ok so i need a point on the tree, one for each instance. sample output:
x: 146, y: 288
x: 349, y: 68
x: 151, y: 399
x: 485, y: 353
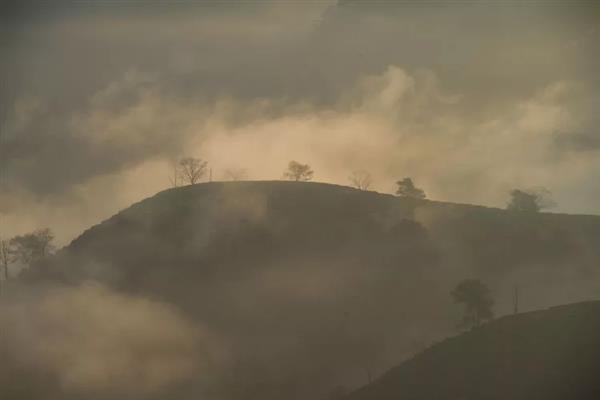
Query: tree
x: 32, y: 247
x: 298, y: 172
x: 406, y: 188
x: 477, y: 300
x: 531, y: 201
x: 235, y: 174
x: 6, y: 257
x: 191, y: 170
x: 361, y: 179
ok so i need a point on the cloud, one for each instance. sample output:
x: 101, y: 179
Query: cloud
x: 395, y: 123
x: 105, y: 99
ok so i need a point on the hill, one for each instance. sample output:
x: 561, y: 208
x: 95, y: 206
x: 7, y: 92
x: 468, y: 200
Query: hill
x: 330, y: 284
x: 551, y: 354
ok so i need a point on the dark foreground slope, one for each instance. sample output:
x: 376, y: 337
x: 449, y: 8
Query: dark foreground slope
x: 550, y: 355
x: 309, y: 286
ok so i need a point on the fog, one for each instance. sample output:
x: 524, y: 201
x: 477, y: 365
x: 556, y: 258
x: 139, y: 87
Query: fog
x: 91, y: 341
x: 471, y: 100
x: 245, y: 290
x: 284, y: 290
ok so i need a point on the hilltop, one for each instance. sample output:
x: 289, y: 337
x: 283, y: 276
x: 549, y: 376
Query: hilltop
x: 332, y: 284
x: 264, y: 221
x: 550, y: 354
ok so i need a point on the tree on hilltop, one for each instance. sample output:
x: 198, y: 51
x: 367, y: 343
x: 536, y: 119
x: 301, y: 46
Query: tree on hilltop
x: 406, y: 188
x: 530, y: 201
x: 361, y: 179
x: 298, y: 172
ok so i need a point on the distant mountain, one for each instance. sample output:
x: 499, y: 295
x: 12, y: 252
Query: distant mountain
x: 313, y: 285
x: 550, y: 355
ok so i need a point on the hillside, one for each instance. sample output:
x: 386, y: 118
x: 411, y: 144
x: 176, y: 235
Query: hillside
x: 551, y: 354
x: 332, y: 284
x: 264, y: 222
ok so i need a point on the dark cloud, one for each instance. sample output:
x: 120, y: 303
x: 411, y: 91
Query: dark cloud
x: 97, y: 89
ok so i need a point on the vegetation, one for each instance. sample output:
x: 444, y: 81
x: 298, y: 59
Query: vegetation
x: 6, y: 258
x: 192, y: 170
x: 25, y: 250
x: 298, y: 172
x: 31, y: 247
x: 188, y: 171
x: 550, y: 355
x: 361, y: 278
x: 361, y: 179
x: 477, y: 301
x: 406, y: 188
x: 529, y: 201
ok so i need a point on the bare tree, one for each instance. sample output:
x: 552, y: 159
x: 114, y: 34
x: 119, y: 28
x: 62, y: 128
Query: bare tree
x: 298, y: 172
x: 235, y: 174
x: 361, y: 179
x: 192, y: 170
x: 33, y: 246
x: 406, y: 188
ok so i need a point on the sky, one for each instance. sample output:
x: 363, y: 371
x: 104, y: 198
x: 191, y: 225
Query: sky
x: 469, y: 98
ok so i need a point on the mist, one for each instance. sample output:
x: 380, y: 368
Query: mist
x: 254, y: 86
x: 91, y: 341
x: 241, y: 285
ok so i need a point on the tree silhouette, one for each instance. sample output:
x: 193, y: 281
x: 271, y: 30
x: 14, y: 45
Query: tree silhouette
x: 6, y: 258
x: 298, y: 172
x: 531, y: 201
x: 31, y: 247
x: 360, y: 179
x: 191, y: 170
x: 477, y: 301
x: 406, y: 188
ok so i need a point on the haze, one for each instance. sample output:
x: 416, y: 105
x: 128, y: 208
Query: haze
x: 470, y: 99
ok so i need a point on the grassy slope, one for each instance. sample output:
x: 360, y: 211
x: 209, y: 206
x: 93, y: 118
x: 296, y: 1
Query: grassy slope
x: 269, y: 220
x: 327, y: 281
x: 551, y: 354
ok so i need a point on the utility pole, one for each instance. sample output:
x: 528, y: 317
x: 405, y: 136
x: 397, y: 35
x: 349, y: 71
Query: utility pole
x: 210, y: 174
x: 516, y: 300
